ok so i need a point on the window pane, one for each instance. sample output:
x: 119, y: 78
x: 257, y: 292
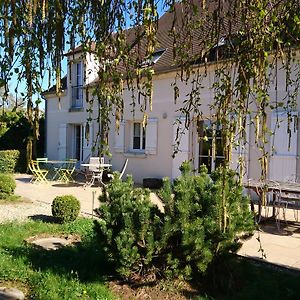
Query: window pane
x: 205, y: 147
x: 136, y: 129
x: 79, y: 73
x: 205, y: 160
x: 219, y: 147
x: 136, y: 142
x: 144, y: 139
x: 218, y: 161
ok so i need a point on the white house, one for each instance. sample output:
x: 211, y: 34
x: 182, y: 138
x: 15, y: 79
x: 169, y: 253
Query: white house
x: 150, y: 151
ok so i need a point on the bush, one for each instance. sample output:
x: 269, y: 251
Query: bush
x: 129, y: 228
x: 7, y: 186
x: 9, y: 160
x: 65, y: 208
x: 204, y: 216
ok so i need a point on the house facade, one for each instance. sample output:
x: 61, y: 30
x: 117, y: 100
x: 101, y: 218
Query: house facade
x: 150, y: 150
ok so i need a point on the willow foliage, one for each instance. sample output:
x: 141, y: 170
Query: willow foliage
x: 248, y: 41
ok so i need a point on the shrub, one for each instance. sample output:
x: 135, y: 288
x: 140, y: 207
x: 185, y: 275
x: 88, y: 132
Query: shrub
x: 65, y: 208
x: 129, y: 227
x: 204, y: 215
x: 7, y: 186
x: 9, y: 160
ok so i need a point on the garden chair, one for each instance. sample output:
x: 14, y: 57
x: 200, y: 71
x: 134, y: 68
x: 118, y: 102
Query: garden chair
x: 42, y: 159
x: 122, y: 172
x: 39, y: 175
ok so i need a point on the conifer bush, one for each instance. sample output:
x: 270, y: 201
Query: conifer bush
x: 203, y: 219
x: 65, y: 208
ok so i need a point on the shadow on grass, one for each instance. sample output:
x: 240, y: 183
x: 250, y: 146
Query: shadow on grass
x: 85, y: 260
x: 44, y: 218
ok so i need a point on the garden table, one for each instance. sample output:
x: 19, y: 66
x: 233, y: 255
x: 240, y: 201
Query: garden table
x: 97, y: 172
x: 59, y: 169
x: 282, y: 193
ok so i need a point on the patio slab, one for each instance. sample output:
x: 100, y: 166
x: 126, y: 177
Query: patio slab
x: 280, y: 245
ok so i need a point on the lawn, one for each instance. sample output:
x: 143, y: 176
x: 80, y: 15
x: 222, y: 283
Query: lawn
x: 77, y: 272
x: 81, y: 272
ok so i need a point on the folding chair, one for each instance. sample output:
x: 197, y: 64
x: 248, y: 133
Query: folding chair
x: 39, y: 175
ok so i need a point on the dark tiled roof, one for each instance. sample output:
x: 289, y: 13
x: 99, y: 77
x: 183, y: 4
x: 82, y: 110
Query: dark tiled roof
x: 89, y: 47
x: 136, y: 36
x: 52, y: 89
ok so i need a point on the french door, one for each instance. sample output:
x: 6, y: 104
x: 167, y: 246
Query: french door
x: 210, y: 145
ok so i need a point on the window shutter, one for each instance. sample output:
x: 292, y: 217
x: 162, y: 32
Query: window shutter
x: 183, y: 148
x: 62, y: 141
x: 119, y: 138
x: 283, y: 162
x: 281, y: 137
x: 151, y: 136
x: 87, y: 143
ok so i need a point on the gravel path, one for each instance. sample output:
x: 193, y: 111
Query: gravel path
x: 22, y: 211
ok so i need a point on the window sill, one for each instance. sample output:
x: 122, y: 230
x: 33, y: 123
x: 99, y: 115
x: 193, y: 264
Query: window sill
x: 135, y: 154
x: 76, y: 109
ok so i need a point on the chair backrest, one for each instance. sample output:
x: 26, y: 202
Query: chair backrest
x: 42, y: 159
x: 95, y: 163
x: 123, y: 168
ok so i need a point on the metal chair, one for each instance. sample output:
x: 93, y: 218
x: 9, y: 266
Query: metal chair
x: 122, y: 172
x: 39, y: 175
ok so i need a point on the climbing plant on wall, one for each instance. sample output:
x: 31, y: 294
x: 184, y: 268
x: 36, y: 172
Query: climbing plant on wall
x: 247, y: 41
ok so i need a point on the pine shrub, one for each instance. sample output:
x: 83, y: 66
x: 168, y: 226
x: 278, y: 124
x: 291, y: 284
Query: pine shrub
x: 203, y: 219
x: 65, y: 208
x: 129, y: 228
x: 7, y: 186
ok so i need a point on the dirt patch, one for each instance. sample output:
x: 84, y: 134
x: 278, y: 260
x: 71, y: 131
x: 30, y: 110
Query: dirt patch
x: 53, y: 242
x: 153, y: 291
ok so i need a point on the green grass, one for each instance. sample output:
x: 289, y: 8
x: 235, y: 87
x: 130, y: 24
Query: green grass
x: 77, y: 272
x: 80, y: 272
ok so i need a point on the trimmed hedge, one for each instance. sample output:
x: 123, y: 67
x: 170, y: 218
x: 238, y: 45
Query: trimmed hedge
x: 9, y: 160
x: 65, y: 208
x: 7, y: 186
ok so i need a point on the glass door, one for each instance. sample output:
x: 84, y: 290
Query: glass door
x: 210, y: 145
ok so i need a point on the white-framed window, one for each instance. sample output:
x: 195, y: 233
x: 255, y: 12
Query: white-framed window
x: 77, y: 90
x: 138, y: 137
x: 79, y: 73
x: 132, y: 137
x: 210, y: 145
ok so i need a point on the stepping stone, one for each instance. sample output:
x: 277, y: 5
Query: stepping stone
x: 11, y: 294
x: 52, y: 243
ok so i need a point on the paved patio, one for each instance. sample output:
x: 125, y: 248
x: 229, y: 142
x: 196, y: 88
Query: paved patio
x: 45, y: 193
x: 280, y: 246
x: 279, y: 243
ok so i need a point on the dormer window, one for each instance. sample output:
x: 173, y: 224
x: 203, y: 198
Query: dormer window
x: 154, y: 58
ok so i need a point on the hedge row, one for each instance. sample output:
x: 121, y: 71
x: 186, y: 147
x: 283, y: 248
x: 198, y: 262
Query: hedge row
x: 12, y: 161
